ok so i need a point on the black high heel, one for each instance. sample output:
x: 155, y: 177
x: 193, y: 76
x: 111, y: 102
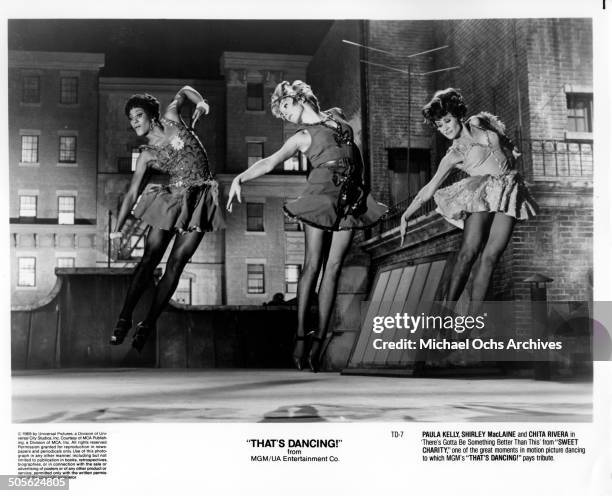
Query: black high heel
x: 297, y: 359
x: 120, y: 331
x: 314, y: 353
x: 140, y: 336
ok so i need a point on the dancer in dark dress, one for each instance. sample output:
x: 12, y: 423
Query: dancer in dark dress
x: 334, y: 203
x: 183, y: 209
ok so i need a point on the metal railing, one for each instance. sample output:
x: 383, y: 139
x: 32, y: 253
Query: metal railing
x: 540, y: 159
x: 393, y: 218
x: 549, y: 158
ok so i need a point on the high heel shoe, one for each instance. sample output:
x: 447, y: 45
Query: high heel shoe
x: 314, y: 353
x: 120, y: 331
x: 140, y: 336
x: 297, y: 358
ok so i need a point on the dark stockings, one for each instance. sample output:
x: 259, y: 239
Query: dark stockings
x: 340, y: 243
x: 155, y: 246
x: 313, y: 259
x: 184, y: 247
x: 494, y: 230
x: 322, y: 249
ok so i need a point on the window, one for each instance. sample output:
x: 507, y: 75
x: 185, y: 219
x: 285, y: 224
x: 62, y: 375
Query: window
x: 255, y: 279
x: 128, y: 164
x: 580, y: 112
x: 406, y: 180
x: 255, y: 220
x: 292, y: 274
x: 292, y: 225
x: 137, y: 245
x: 135, y: 155
x: 65, y: 262
x: 397, y: 160
x: 31, y: 89
x: 183, y: 291
x: 29, y: 149
x: 297, y: 163
x: 27, y: 272
x: 69, y: 90
x: 255, y: 96
x: 67, y: 149
x: 27, y: 206
x: 65, y: 209
x: 255, y: 151
x: 124, y: 164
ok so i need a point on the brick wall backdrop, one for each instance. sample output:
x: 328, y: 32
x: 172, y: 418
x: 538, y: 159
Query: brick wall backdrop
x: 493, y: 66
x: 388, y: 105
x: 334, y: 74
x: 558, y: 244
x: 559, y: 52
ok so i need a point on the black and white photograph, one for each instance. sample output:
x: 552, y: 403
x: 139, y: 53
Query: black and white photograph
x: 245, y: 245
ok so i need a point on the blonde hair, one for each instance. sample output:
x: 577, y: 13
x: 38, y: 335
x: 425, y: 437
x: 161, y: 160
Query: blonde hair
x: 298, y: 90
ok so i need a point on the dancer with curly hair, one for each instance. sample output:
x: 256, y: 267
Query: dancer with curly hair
x: 487, y: 203
x: 184, y: 209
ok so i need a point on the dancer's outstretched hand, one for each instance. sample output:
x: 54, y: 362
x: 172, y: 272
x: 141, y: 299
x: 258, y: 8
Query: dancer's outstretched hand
x: 115, y: 235
x: 403, y: 227
x: 234, y: 192
x: 201, y: 108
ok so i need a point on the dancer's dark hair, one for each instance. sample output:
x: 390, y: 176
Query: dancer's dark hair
x: 448, y: 101
x: 147, y: 102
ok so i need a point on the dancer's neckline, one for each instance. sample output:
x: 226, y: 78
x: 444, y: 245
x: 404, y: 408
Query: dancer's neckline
x: 327, y: 118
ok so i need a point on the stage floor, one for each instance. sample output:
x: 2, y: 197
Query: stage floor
x: 265, y: 395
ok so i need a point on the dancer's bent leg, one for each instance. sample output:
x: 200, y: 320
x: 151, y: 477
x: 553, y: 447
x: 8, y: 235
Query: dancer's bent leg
x: 475, y: 227
x: 184, y: 247
x: 155, y: 246
x: 499, y: 235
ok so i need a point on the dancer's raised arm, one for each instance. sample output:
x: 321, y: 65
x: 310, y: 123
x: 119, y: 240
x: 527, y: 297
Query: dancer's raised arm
x: 173, y: 110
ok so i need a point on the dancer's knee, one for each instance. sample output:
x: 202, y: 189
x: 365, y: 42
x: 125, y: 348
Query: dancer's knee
x: 310, y: 269
x: 489, y: 258
x: 147, y: 264
x: 175, y: 265
x: 333, y: 267
x: 467, y: 254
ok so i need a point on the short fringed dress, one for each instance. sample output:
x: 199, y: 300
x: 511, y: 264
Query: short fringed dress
x: 492, y: 185
x: 190, y: 200
x: 336, y: 197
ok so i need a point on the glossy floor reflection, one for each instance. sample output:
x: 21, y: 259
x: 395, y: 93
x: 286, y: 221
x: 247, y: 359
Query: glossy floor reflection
x: 171, y: 395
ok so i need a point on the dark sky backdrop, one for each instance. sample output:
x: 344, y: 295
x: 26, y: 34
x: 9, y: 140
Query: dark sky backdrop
x: 165, y: 48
